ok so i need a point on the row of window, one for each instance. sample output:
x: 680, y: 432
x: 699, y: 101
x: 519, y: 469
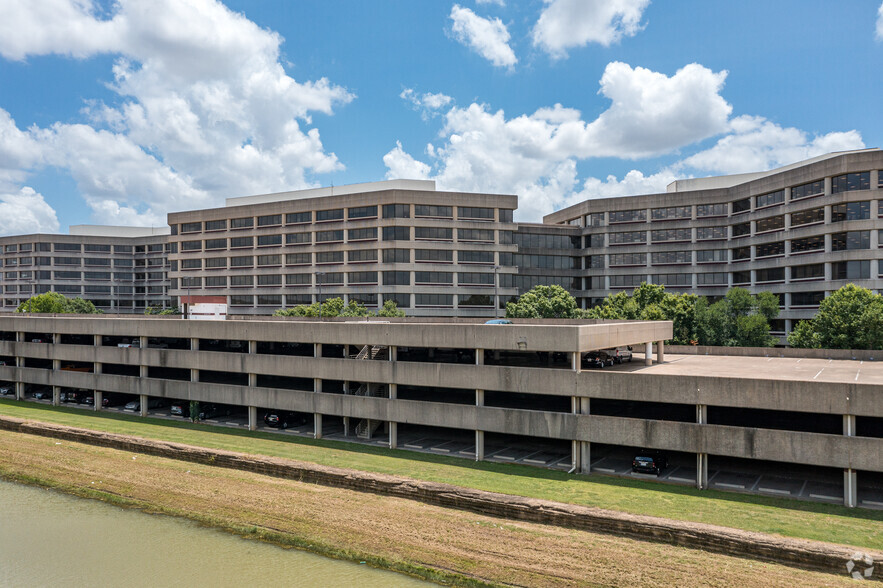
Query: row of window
x: 389, y: 278
x: 83, y: 248
x: 337, y: 236
x: 83, y: 261
x: 68, y: 275
x: 842, y: 183
x: 370, y: 299
x: 352, y: 256
x: 357, y: 212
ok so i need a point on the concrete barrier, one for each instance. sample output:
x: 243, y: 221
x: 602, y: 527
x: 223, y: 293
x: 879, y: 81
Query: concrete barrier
x: 855, y: 354
x: 813, y: 555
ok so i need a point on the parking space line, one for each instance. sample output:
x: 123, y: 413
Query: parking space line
x: 679, y: 479
x: 803, y: 488
x: 817, y: 375
x: 824, y: 497
x: 775, y: 491
x: 605, y: 470
x: 872, y: 502
x: 726, y: 485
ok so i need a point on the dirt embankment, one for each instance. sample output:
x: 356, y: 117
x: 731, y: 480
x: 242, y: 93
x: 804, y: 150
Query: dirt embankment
x: 588, y: 525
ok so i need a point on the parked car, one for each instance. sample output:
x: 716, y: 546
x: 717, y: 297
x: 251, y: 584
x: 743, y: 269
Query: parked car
x: 87, y: 398
x: 7, y: 390
x: 208, y: 410
x: 69, y: 396
x: 598, y: 359
x: 111, y: 399
x: 498, y: 322
x: 651, y: 462
x: 181, y: 409
x: 620, y: 355
x: 43, y: 394
x: 282, y: 419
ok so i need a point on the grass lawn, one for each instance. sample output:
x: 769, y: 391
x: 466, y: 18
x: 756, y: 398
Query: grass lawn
x: 791, y: 518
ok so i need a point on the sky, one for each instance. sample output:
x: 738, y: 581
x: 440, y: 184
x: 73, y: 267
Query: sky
x: 119, y: 112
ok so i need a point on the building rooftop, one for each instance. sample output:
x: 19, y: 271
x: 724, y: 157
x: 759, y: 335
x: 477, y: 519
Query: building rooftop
x: 117, y: 231
x: 421, y: 185
x: 714, y: 182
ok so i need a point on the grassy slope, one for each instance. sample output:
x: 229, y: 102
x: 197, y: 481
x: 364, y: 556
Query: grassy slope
x: 836, y: 524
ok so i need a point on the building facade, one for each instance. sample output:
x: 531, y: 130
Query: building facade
x: 433, y: 253
x: 802, y: 232
x: 120, y: 269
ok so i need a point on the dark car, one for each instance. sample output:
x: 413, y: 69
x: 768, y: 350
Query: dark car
x: 209, y: 410
x: 598, y: 359
x: 180, y: 409
x: 282, y: 420
x: 649, y: 463
x: 87, y: 398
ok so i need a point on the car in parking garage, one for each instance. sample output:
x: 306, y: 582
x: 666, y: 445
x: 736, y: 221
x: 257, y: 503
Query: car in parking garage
x: 152, y: 402
x: 209, y: 410
x: 7, y: 390
x: 649, y: 462
x: 620, y: 355
x: 43, y: 394
x: 598, y: 358
x: 181, y: 409
x: 282, y: 419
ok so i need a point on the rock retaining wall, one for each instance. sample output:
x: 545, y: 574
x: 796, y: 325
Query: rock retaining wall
x: 814, y: 555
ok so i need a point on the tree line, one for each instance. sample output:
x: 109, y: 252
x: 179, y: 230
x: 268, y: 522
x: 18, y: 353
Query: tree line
x: 850, y: 318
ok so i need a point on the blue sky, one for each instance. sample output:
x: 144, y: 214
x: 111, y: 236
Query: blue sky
x: 119, y: 112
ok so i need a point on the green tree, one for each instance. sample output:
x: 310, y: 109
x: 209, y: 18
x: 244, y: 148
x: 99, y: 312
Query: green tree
x: 544, y: 302
x: 161, y: 310
x: 333, y: 307
x: 53, y: 302
x: 850, y: 318
x: 390, y: 309
x: 739, y: 320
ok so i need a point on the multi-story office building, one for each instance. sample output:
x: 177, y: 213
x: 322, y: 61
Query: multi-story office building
x: 801, y: 231
x: 433, y: 253
x: 120, y: 269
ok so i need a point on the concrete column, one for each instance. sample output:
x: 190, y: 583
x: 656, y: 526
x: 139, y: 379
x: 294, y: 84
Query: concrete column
x: 850, y: 488
x: 660, y: 352
x: 317, y: 426
x: 19, y: 390
x: 648, y: 353
x: 252, y: 418
x: 252, y: 380
x: 479, y: 435
x: 585, y: 447
x: 194, y: 375
x: 143, y: 371
x: 143, y: 341
x: 850, y: 479
x: 252, y: 347
x: 576, y: 361
x: 479, y: 357
x: 97, y: 367
x: 393, y: 353
x: 393, y: 393
x: 97, y: 396
x: 346, y: 426
x: 56, y: 395
x: 317, y: 350
x: 143, y: 398
x: 702, y: 458
x: 97, y: 340
x: 194, y: 344
x: 56, y: 364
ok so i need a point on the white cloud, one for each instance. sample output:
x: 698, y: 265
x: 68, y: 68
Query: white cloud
x: 202, y: 111
x: 880, y: 23
x: 26, y: 211
x: 428, y: 104
x: 756, y: 144
x: 401, y: 165
x: 487, y: 37
x: 497, y: 2
x: 535, y: 155
x: 19, y: 152
x: 565, y: 24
